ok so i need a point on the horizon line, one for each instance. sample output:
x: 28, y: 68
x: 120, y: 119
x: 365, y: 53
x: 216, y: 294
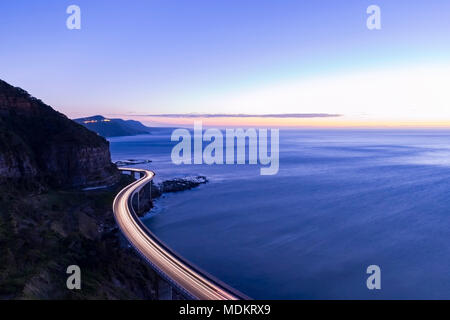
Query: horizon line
x: 238, y: 115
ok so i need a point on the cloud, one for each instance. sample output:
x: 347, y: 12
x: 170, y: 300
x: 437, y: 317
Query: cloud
x: 224, y: 115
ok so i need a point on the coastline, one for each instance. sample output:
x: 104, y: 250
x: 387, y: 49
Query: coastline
x: 180, y: 274
x: 157, y: 207
x: 325, y: 188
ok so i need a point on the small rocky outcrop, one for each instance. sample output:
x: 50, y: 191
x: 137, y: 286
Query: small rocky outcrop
x: 177, y: 185
x: 168, y: 186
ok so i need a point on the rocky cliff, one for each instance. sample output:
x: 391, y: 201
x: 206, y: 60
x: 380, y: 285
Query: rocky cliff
x: 47, y: 222
x: 41, y: 146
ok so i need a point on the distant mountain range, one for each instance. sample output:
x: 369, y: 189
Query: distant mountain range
x: 107, y: 127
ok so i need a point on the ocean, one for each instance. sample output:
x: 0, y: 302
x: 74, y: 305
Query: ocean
x: 342, y: 200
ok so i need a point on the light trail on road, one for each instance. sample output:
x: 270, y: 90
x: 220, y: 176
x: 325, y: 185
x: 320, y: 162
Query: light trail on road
x: 195, y: 282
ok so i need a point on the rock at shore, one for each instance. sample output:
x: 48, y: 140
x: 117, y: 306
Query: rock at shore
x: 167, y: 186
x: 177, y: 185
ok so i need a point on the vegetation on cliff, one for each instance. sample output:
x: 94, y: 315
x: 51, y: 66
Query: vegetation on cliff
x: 42, y: 234
x: 47, y: 222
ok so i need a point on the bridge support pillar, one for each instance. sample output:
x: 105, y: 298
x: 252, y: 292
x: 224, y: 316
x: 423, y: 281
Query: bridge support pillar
x: 138, y: 202
x: 150, y: 191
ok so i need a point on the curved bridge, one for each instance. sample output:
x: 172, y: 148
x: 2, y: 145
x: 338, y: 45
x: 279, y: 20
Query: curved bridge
x: 187, y: 278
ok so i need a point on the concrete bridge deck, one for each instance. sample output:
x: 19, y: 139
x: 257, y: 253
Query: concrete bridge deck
x: 178, y: 272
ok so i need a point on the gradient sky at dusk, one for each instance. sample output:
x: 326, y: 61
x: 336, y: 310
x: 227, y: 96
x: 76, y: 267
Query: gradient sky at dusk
x: 233, y: 56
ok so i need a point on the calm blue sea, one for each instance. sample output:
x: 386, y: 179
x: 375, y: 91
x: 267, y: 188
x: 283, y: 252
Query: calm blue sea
x: 342, y: 200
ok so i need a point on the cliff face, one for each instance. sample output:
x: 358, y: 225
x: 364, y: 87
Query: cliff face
x: 41, y: 145
x: 45, y: 230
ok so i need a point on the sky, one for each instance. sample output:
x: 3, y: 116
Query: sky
x: 143, y: 59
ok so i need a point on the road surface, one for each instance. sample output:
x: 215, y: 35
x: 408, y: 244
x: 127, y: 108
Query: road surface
x: 195, y: 282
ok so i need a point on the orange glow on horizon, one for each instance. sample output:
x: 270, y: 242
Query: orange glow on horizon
x: 338, y: 122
